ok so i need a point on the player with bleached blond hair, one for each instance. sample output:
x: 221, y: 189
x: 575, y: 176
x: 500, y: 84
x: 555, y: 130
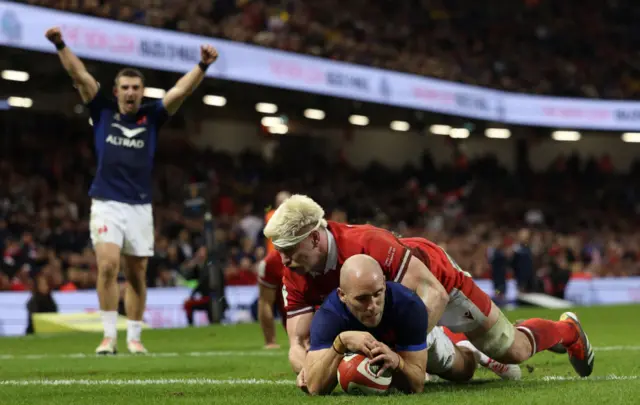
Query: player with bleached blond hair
x: 314, y: 249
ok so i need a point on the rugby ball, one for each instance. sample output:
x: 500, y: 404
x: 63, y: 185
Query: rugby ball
x: 357, y: 376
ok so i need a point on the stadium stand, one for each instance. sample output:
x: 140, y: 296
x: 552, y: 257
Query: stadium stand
x: 472, y: 207
x: 476, y: 208
x: 531, y: 46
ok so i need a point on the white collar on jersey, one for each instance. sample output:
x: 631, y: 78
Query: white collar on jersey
x: 332, y: 252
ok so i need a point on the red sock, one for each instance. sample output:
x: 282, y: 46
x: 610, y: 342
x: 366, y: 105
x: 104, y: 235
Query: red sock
x: 455, y: 337
x: 548, y: 333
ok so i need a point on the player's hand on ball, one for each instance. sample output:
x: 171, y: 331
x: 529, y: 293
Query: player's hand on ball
x: 359, y: 342
x: 271, y: 346
x: 386, y: 358
x: 208, y: 54
x: 301, y: 381
x: 54, y: 35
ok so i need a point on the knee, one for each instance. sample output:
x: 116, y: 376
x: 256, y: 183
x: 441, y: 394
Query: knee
x: 136, y: 271
x: 108, y: 268
x: 464, y: 366
x: 520, y: 350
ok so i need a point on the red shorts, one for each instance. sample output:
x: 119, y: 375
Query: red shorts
x: 455, y: 337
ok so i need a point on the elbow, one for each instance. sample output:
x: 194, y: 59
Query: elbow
x: 441, y: 296
x: 418, y: 388
x: 314, y: 388
x: 415, y: 384
x: 444, y: 296
x: 412, y: 387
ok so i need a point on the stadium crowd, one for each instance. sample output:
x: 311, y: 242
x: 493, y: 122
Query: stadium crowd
x: 578, y: 217
x: 535, y: 46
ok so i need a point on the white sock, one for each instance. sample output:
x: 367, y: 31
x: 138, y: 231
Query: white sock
x: 109, y: 321
x: 481, y: 358
x: 134, y: 330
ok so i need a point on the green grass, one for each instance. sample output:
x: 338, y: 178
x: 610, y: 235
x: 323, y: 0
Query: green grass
x: 234, y: 353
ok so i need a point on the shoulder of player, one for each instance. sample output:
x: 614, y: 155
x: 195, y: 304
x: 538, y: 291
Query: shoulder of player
x: 293, y: 281
x: 274, y: 258
x: 102, y: 101
x: 272, y: 266
x: 332, y: 306
x: 356, y: 236
x: 151, y: 107
x: 403, y: 298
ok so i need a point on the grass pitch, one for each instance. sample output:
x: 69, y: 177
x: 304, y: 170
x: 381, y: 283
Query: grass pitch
x: 226, y: 365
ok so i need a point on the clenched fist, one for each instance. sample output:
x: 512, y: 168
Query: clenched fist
x: 208, y: 54
x: 54, y: 35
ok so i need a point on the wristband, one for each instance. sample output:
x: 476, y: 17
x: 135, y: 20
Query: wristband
x: 60, y: 45
x: 400, y: 364
x: 203, y: 66
x: 338, y: 346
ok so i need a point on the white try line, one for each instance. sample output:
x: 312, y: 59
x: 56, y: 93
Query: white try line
x: 610, y: 377
x: 160, y: 381
x: 248, y: 381
x: 215, y: 353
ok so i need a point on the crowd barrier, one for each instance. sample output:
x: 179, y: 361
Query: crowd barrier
x: 165, y: 305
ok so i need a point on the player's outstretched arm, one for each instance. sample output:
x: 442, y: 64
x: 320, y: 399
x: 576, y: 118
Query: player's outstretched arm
x: 321, y: 364
x: 85, y: 83
x: 190, y: 81
x: 409, y: 374
x: 298, y: 329
x: 266, y: 300
x: 321, y: 370
x: 420, y: 279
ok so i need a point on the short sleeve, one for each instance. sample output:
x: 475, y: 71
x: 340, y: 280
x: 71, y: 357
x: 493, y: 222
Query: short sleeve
x: 270, y: 271
x: 159, y: 113
x: 392, y: 255
x: 293, y: 295
x: 411, y: 334
x: 98, y: 105
x: 325, y: 327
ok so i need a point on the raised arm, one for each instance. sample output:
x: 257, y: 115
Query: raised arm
x: 85, y: 83
x: 190, y: 81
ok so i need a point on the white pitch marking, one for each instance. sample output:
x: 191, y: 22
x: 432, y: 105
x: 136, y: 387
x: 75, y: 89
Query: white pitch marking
x: 220, y: 353
x: 160, y: 381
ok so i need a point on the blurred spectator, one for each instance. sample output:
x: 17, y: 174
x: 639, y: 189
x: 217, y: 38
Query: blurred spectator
x: 499, y: 266
x: 41, y: 300
x: 200, y: 295
x: 543, y: 47
x: 522, y: 262
x: 470, y: 209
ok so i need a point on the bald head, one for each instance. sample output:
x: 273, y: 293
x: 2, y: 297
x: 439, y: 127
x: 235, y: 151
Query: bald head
x: 362, y: 289
x: 358, y: 271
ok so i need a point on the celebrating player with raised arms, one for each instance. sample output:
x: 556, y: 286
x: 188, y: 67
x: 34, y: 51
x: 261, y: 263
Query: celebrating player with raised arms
x: 126, y: 135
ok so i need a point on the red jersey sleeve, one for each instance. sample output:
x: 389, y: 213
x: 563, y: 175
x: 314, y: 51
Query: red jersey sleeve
x: 270, y: 271
x: 392, y: 255
x: 293, y: 294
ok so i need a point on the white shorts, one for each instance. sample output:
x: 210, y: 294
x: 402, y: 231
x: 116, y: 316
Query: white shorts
x: 441, y: 351
x: 129, y: 226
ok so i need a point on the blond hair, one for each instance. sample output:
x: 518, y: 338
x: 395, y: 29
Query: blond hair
x: 288, y: 225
